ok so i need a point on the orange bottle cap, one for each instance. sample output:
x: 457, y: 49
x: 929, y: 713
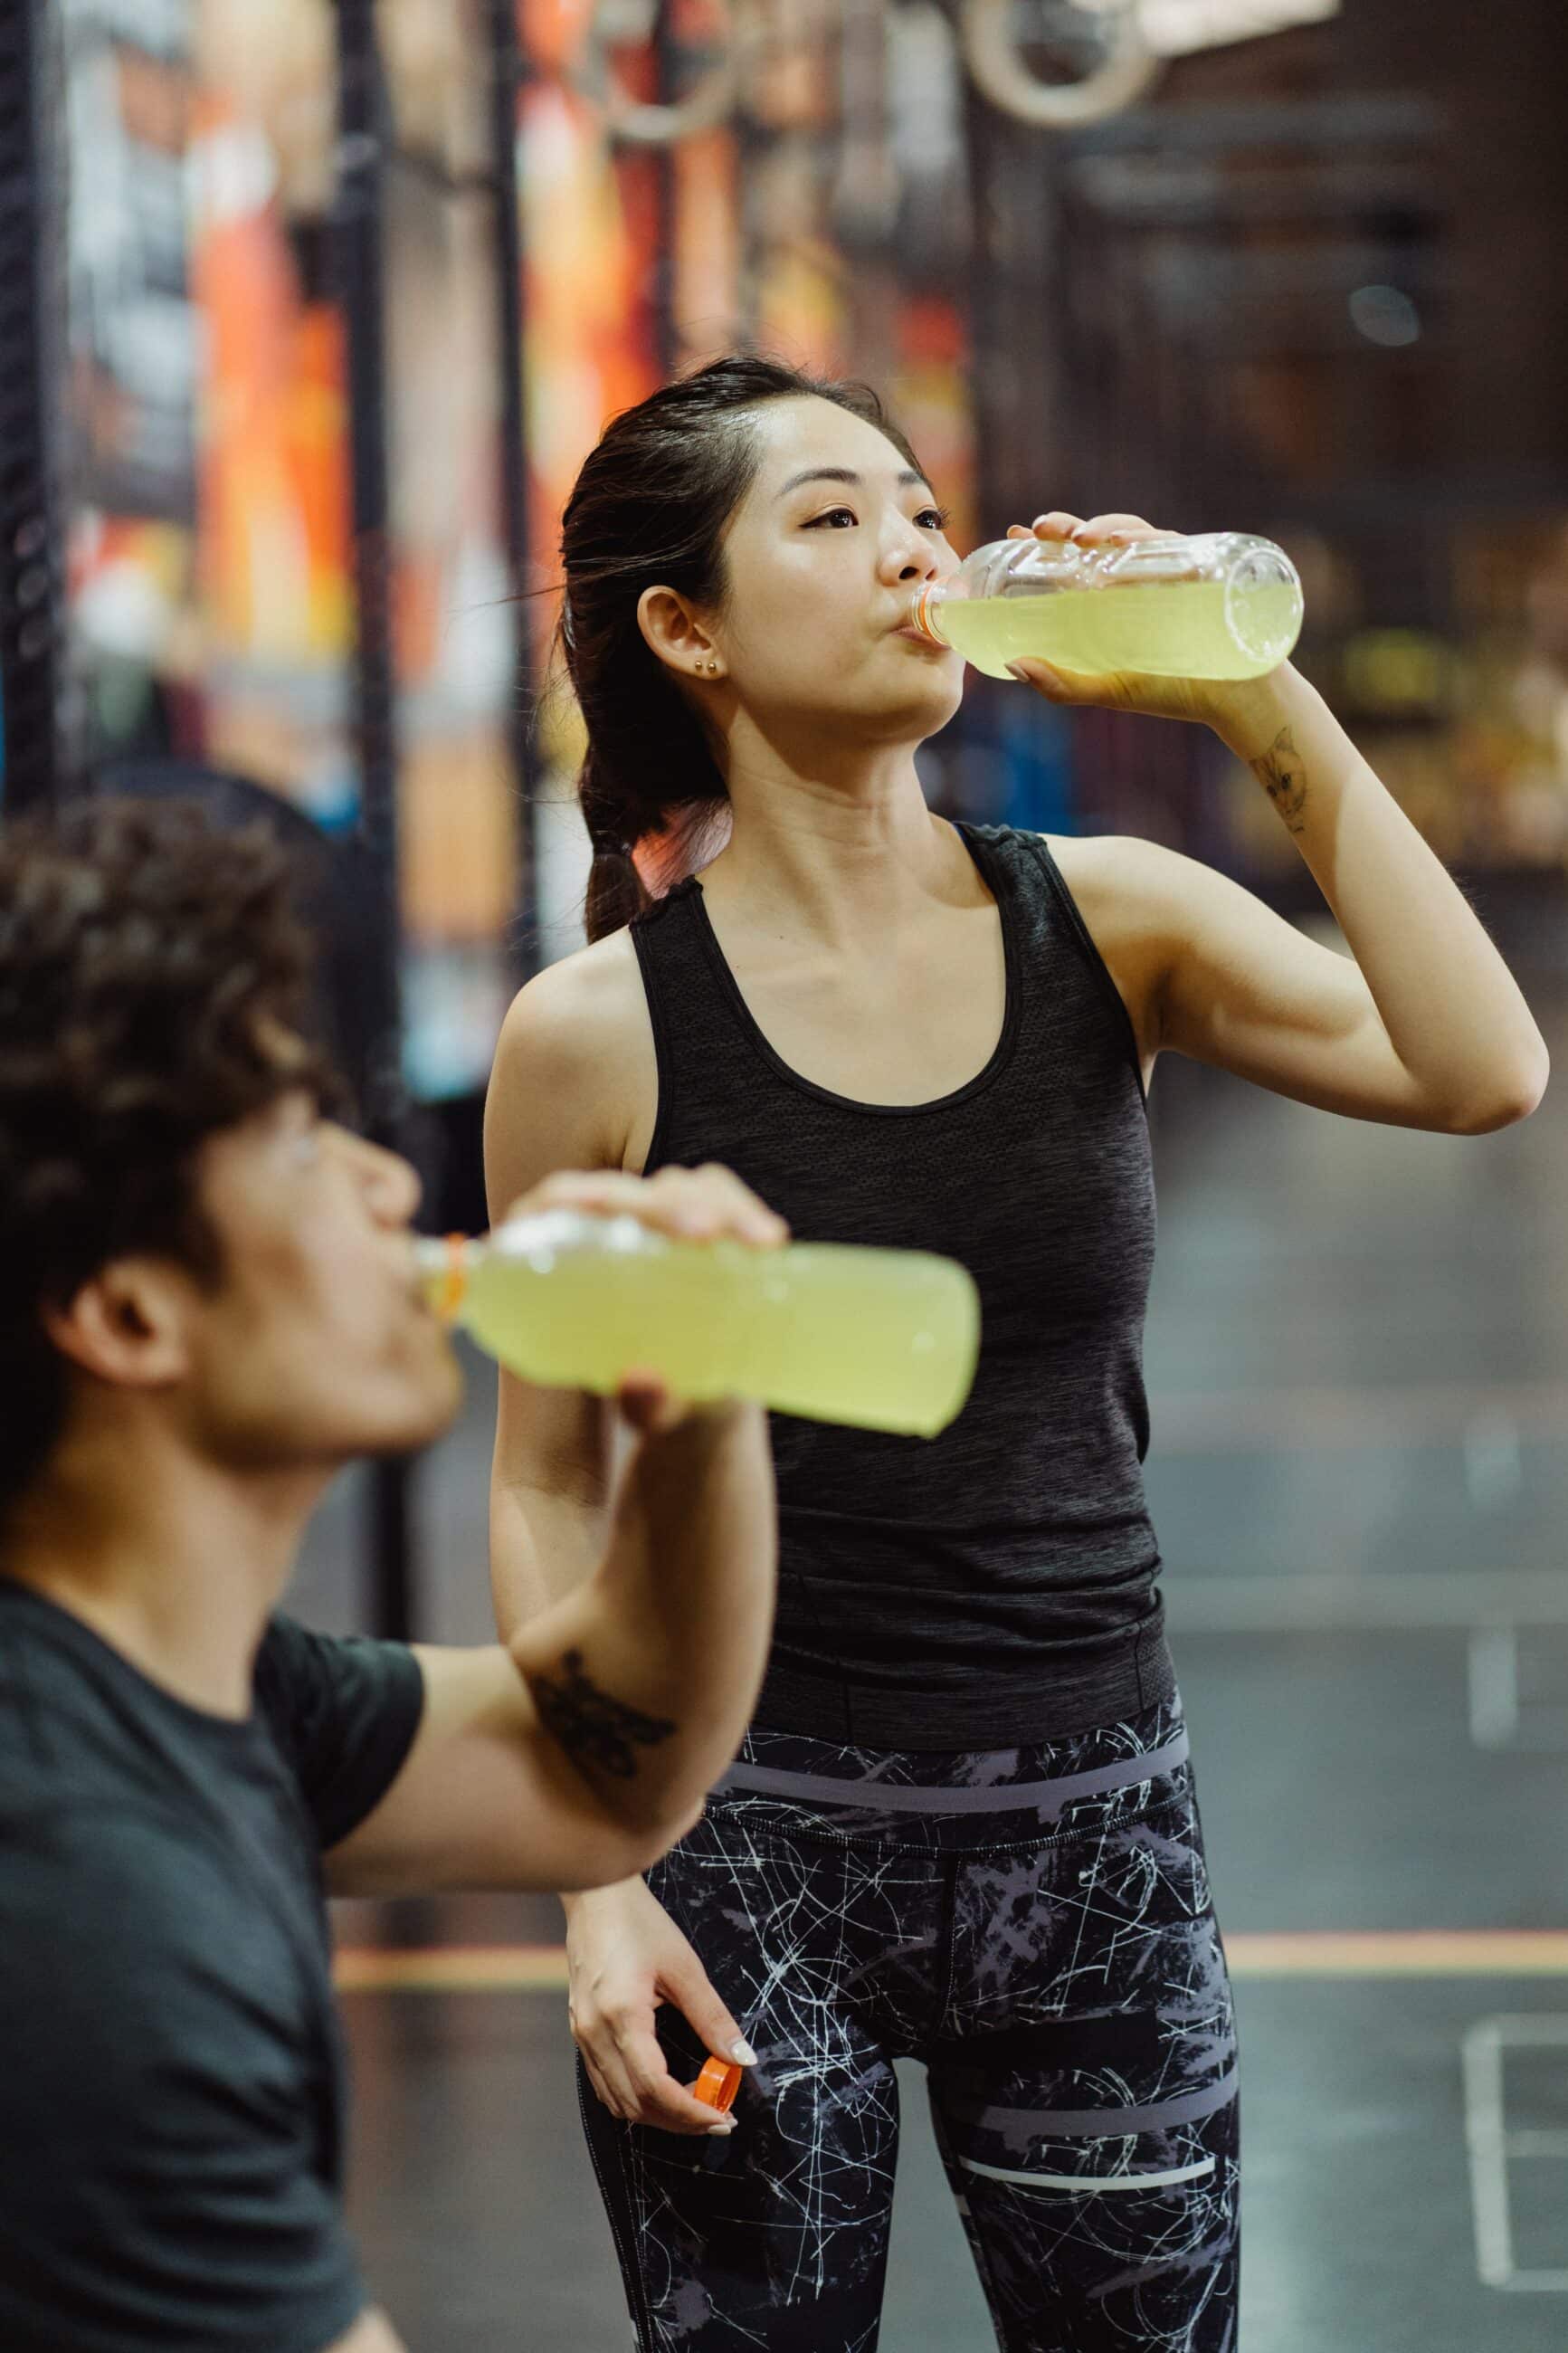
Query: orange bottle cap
x: 919, y: 618
x: 457, y: 1282
x: 717, y: 2086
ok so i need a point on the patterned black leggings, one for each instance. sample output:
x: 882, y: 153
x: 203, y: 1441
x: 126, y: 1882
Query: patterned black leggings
x: 1034, y: 1924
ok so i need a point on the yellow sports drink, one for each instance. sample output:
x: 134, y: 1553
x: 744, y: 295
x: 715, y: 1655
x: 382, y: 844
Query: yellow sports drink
x: 1223, y: 605
x: 876, y: 1339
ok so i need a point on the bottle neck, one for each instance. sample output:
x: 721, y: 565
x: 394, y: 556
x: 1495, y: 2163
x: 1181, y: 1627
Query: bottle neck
x: 924, y: 610
x: 443, y: 1270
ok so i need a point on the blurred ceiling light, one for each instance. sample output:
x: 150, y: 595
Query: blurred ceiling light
x: 1174, y: 27
x: 1137, y: 36
x: 991, y: 50
x: 1385, y: 316
x: 162, y: 28
x: 710, y: 100
x: 925, y: 93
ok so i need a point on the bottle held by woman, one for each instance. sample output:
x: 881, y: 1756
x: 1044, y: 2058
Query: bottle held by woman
x: 1222, y: 605
x: 963, y: 1827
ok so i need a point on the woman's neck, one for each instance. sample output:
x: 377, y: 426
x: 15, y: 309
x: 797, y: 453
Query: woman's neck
x: 829, y: 849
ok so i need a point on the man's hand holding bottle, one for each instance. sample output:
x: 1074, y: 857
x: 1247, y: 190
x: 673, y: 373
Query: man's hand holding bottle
x: 684, y: 1205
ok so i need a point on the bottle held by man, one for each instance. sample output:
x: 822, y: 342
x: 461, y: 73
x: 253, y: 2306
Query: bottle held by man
x: 874, y: 1339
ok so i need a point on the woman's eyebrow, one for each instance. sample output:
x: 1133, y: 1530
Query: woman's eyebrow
x: 908, y: 480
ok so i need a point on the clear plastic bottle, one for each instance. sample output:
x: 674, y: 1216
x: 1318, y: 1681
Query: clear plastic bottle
x: 1222, y: 605
x: 876, y: 1339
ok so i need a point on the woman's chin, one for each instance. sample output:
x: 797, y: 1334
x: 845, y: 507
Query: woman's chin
x: 941, y: 700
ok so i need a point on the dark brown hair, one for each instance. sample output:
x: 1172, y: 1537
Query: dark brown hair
x: 143, y: 957
x: 651, y: 508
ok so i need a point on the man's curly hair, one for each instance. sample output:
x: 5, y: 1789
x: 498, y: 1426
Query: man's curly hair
x: 147, y: 961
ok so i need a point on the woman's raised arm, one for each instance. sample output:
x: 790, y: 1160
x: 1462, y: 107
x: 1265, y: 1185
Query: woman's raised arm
x: 1427, y: 1027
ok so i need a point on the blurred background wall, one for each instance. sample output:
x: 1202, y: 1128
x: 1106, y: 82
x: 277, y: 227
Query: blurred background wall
x: 1307, y: 284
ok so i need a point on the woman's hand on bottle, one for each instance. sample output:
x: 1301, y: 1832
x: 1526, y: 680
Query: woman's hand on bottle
x: 686, y: 1205
x: 1207, y: 701
x: 625, y: 1956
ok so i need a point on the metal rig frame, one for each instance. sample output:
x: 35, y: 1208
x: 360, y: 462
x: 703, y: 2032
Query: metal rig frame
x: 34, y: 664
x: 365, y: 139
x: 508, y: 77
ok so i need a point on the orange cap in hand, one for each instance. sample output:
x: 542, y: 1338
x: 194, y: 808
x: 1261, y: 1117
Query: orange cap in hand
x: 717, y: 2086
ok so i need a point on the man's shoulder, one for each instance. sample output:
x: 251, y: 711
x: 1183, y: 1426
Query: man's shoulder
x: 342, y: 1712
x: 72, y: 1712
x: 307, y: 1680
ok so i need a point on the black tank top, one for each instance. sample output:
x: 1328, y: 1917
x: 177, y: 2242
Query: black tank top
x: 995, y: 1584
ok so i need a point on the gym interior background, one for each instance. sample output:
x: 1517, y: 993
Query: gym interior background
x: 308, y: 313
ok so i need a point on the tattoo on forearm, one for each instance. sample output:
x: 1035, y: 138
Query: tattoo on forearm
x: 1283, y: 777
x: 594, y: 1728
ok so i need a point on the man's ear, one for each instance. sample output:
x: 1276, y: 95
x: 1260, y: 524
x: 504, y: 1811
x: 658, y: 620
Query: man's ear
x: 128, y: 1325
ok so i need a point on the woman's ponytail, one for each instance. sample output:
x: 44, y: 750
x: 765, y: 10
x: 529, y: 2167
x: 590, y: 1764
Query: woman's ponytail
x: 615, y: 891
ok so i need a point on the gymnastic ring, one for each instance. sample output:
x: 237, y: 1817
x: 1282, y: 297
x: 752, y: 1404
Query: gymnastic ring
x: 707, y: 104
x: 991, y: 51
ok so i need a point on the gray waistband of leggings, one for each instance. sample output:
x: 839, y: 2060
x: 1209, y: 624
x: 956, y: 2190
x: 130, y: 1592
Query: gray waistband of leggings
x: 1043, y: 1798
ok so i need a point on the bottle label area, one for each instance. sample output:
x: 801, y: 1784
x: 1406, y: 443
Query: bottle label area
x: 1193, y: 629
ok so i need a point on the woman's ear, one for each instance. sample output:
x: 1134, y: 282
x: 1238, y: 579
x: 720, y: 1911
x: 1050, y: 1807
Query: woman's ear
x: 678, y: 638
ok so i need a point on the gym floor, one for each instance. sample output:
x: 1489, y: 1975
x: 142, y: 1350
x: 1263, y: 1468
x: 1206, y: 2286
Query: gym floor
x: 1360, y: 1391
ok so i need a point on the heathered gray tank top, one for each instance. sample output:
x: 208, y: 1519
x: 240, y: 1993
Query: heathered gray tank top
x: 995, y: 1584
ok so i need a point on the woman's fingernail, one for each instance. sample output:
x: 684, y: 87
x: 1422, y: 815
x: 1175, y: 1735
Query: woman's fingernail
x: 1019, y: 670
x: 742, y: 2052
x: 722, y: 2129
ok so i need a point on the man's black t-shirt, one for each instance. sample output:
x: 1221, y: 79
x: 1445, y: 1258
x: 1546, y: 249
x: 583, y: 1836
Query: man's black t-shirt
x: 171, y: 2077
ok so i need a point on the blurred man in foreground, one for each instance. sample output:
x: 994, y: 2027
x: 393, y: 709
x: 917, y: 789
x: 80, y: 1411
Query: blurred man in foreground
x: 207, y: 1306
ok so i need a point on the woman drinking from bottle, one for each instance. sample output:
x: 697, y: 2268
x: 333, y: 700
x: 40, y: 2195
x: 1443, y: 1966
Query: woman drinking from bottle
x: 962, y: 1828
